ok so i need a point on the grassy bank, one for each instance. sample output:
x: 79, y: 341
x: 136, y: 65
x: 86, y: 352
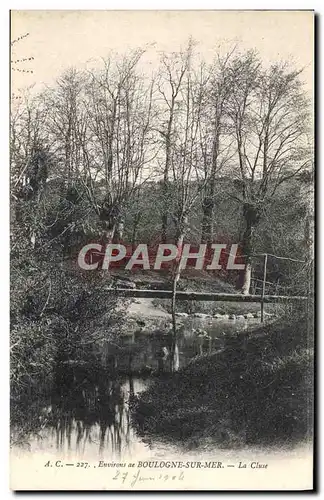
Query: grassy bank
x: 257, y: 390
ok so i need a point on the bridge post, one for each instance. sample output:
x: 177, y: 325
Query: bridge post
x: 263, y: 285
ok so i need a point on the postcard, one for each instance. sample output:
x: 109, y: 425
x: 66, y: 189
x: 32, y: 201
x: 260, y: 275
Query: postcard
x: 162, y: 250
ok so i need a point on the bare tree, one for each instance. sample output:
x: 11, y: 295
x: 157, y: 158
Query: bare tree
x: 268, y: 113
x: 67, y: 122
x: 183, y: 173
x: 27, y: 135
x: 215, y: 140
x: 170, y: 81
x: 116, y: 146
x: 29, y: 160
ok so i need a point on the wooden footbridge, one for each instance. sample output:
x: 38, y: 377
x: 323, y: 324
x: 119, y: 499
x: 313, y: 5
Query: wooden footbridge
x: 205, y: 296
x: 208, y: 296
x: 262, y: 298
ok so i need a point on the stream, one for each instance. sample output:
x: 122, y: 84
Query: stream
x: 87, y: 411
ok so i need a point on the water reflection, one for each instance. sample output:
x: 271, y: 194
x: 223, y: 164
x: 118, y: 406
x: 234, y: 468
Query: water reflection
x: 93, y: 413
x: 87, y: 410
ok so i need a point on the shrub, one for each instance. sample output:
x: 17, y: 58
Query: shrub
x: 257, y: 390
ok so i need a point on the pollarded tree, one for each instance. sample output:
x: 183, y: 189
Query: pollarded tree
x: 269, y: 118
x: 117, y: 143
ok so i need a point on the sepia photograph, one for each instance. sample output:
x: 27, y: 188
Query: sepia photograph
x: 162, y: 250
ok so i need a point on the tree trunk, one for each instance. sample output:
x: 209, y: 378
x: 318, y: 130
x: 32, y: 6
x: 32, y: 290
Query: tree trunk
x: 246, y: 280
x: 164, y: 228
x: 209, y: 196
x: 207, y: 221
x: 165, y: 192
x: 247, y: 249
x: 176, y: 278
x: 136, y: 222
x: 119, y: 232
x: 109, y: 234
x: 165, y: 203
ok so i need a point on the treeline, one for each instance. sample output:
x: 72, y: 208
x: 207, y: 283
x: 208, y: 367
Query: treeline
x: 196, y: 150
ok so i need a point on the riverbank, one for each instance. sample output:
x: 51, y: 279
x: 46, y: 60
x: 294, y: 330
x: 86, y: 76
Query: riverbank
x: 257, y: 390
x: 161, y: 308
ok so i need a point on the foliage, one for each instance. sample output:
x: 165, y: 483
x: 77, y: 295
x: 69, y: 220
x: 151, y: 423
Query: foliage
x: 257, y: 390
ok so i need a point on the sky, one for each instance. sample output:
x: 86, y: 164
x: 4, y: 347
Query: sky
x: 59, y: 39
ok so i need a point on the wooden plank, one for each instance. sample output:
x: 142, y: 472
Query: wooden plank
x: 206, y: 296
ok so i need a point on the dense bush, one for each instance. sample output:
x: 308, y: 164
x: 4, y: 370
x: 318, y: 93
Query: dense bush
x: 257, y: 390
